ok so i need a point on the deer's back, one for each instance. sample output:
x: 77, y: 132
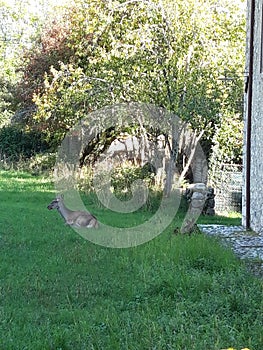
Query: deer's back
x: 81, y: 219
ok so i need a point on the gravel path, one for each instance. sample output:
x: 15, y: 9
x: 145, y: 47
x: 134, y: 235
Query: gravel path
x: 246, y: 245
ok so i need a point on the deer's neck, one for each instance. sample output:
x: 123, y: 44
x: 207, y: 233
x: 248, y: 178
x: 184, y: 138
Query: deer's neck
x: 64, y: 211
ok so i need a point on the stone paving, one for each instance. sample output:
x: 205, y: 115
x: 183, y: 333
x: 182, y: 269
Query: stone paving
x: 246, y: 245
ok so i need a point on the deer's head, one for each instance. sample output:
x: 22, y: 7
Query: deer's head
x: 55, y: 203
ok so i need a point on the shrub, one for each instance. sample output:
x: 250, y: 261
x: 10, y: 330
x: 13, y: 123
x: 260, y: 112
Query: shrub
x: 17, y: 144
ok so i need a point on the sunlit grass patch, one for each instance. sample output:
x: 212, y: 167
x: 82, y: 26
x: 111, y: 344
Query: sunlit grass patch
x: 59, y: 291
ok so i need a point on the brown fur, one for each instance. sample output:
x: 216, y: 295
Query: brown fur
x: 73, y: 218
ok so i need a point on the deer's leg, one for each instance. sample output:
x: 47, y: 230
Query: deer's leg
x: 69, y: 222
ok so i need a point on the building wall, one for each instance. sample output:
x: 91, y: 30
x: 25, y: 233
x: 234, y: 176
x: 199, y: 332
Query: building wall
x: 256, y: 175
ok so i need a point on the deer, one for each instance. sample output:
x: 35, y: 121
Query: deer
x: 73, y: 218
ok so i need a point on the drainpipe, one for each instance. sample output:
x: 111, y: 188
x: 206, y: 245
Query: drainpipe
x: 249, y: 111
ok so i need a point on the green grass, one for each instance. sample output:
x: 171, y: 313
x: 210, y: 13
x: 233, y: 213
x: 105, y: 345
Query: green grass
x: 59, y: 291
x: 229, y: 219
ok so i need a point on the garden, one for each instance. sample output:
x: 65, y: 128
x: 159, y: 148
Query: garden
x: 76, y: 80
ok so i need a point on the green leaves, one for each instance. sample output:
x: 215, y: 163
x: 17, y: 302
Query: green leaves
x: 169, y: 53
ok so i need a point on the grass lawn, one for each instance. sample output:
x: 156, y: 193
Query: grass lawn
x: 60, y: 291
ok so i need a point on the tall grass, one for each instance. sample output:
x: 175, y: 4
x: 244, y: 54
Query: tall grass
x: 59, y: 291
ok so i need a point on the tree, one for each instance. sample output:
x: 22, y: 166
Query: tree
x: 167, y: 53
x: 20, y: 23
x: 141, y: 51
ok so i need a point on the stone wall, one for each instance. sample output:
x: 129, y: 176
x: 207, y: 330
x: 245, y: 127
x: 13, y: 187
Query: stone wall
x: 201, y: 201
x: 201, y: 198
x: 256, y: 177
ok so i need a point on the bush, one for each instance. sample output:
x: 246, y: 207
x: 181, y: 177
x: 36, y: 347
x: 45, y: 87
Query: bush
x: 41, y: 163
x: 125, y: 175
x: 17, y: 144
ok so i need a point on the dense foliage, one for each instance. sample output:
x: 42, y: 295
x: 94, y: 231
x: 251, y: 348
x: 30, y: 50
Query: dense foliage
x: 186, y: 56
x: 160, y: 53
x: 21, y: 23
x: 16, y: 144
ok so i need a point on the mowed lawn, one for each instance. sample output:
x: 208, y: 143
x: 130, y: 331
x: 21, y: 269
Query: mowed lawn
x: 60, y: 291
